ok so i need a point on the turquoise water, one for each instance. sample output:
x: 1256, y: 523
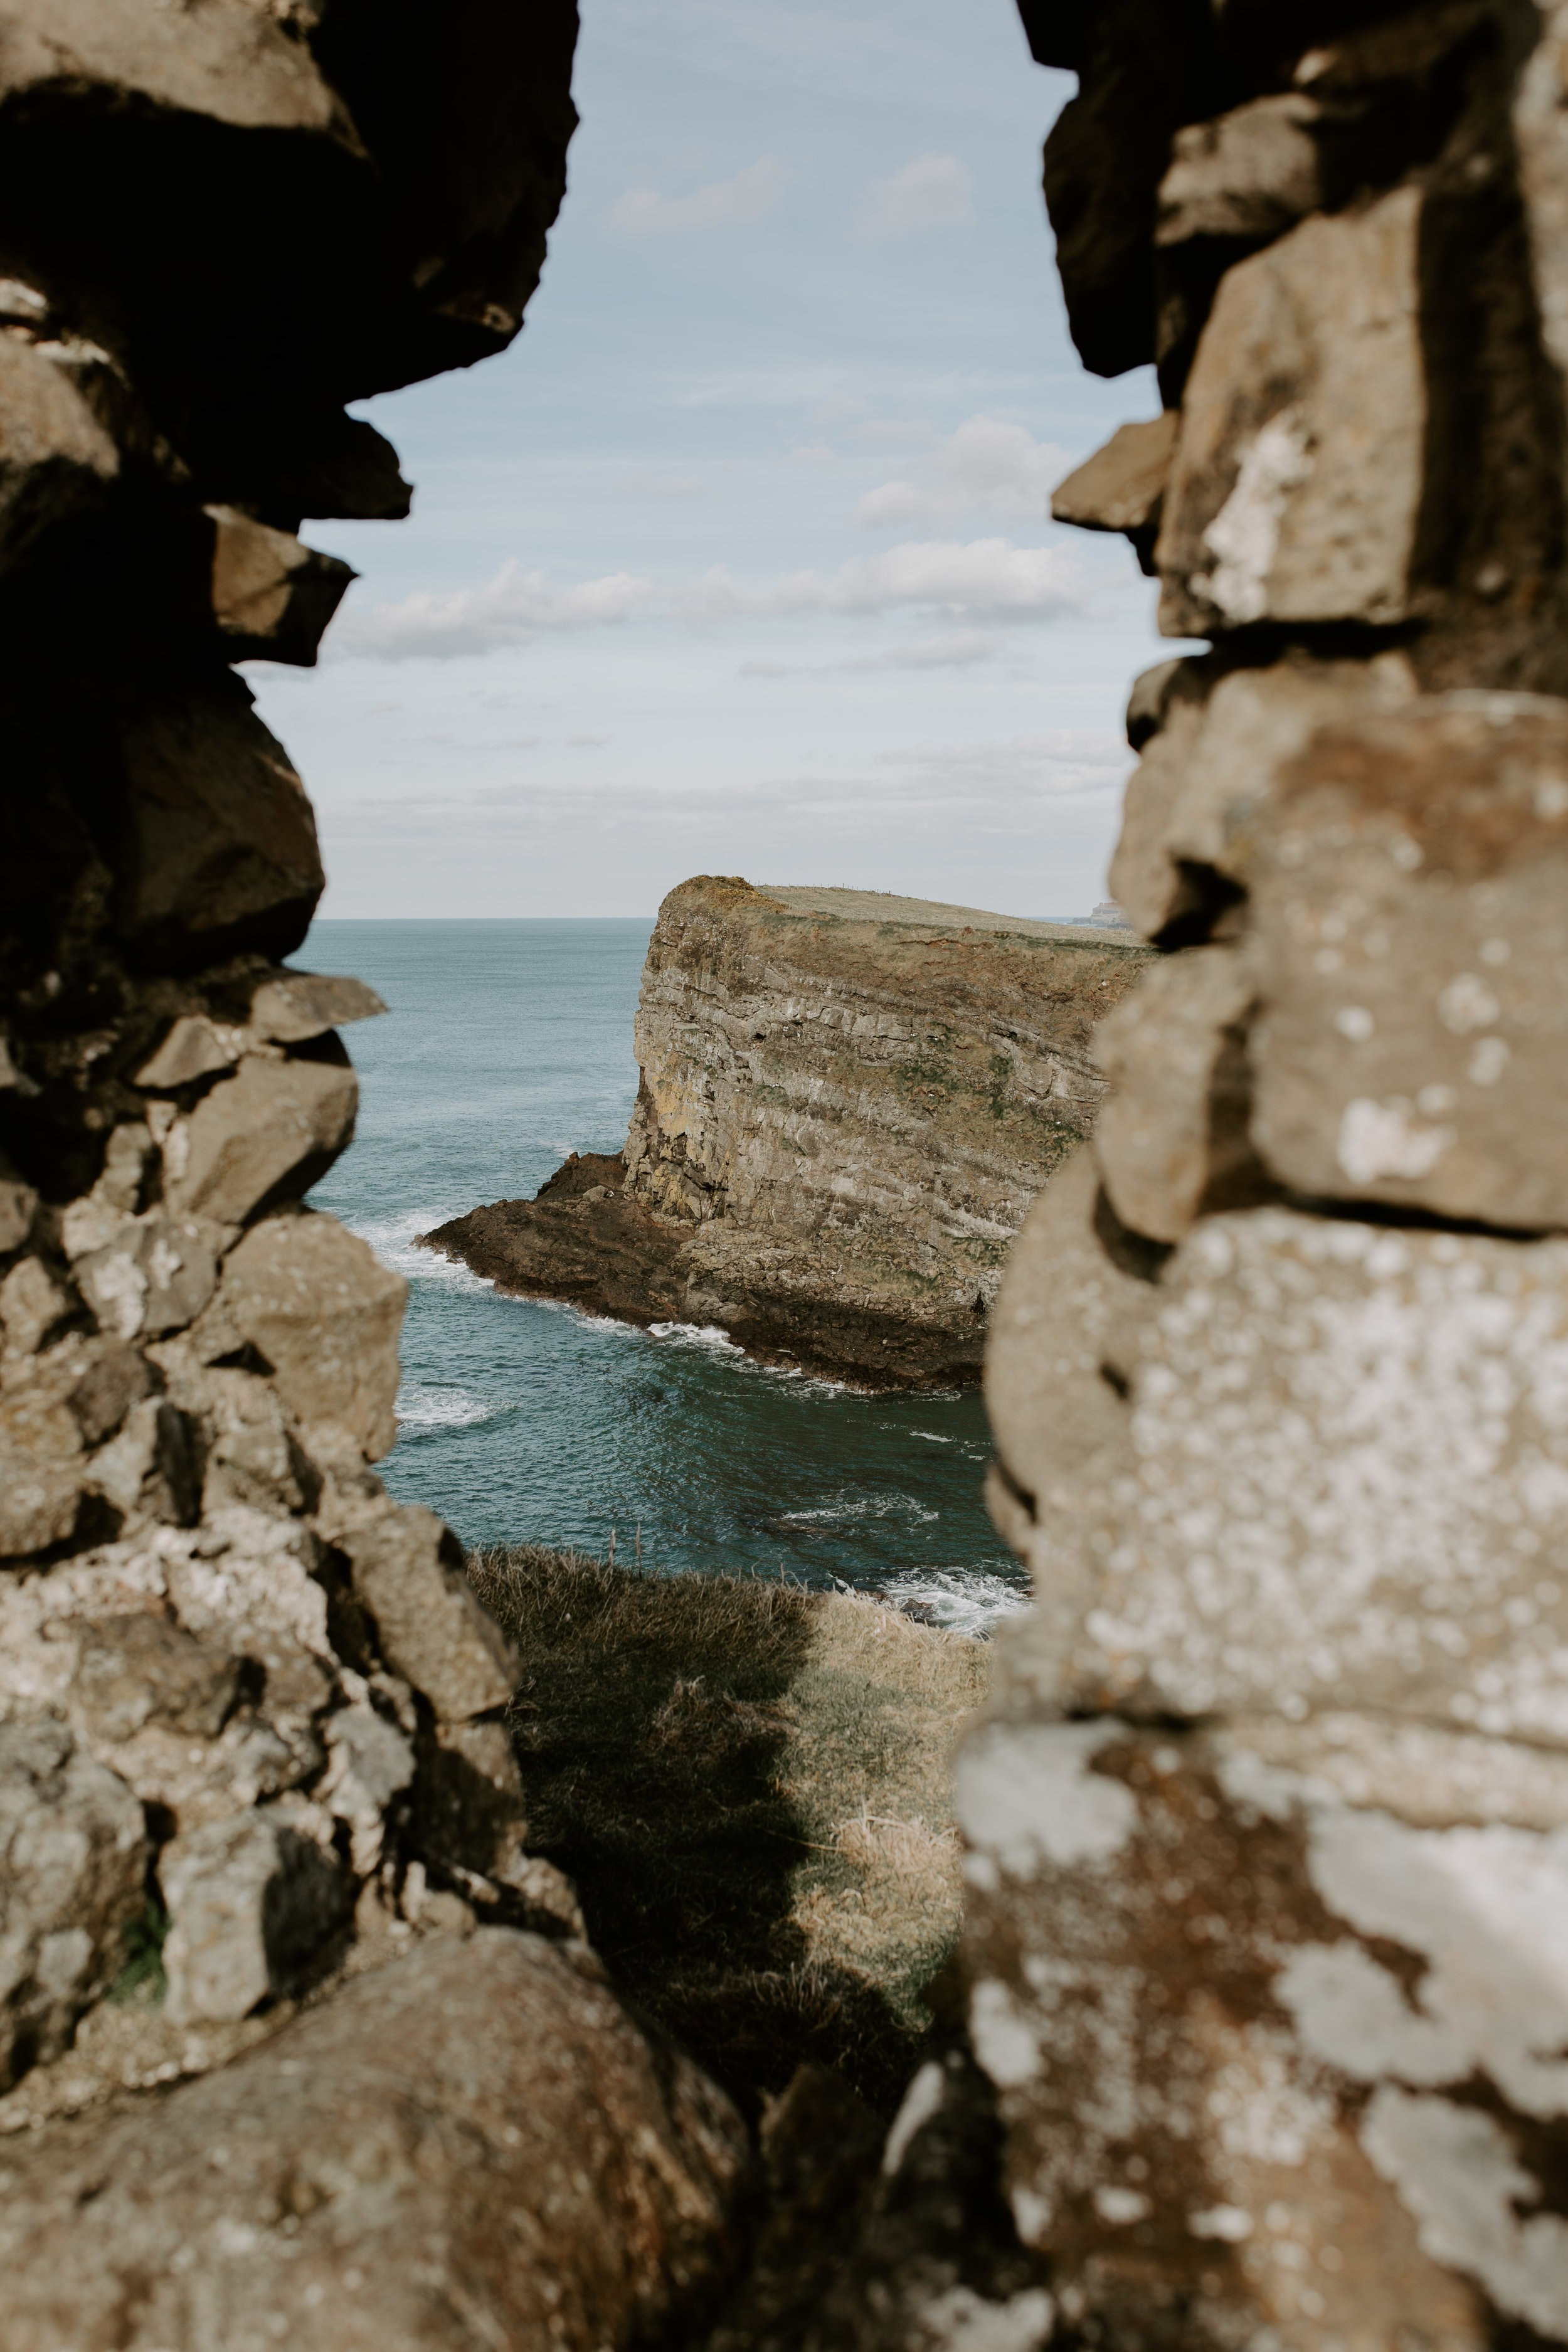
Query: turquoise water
x: 509, y: 1045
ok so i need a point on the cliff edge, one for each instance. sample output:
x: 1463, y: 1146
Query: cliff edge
x: 848, y: 1103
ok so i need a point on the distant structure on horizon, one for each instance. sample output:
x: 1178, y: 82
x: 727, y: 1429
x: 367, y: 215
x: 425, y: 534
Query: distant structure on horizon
x: 1106, y: 917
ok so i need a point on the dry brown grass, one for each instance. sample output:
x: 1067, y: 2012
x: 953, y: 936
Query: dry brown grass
x: 749, y: 1783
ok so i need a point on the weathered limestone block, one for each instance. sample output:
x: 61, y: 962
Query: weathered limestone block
x: 192, y: 1048
x: 35, y: 1306
x: 294, y: 1006
x: 1247, y: 176
x: 1215, y: 741
x: 253, y: 1454
x: 56, y: 460
x: 1408, y: 908
x: 408, y: 1571
x: 241, y: 68
x: 17, y: 1200
x: 1298, y: 480
x: 469, y: 1813
x: 1266, y: 2051
x: 152, y: 1468
x: 43, y: 1472
x: 1173, y: 1139
x: 218, y: 851
x: 1348, y: 1484
x: 1063, y: 1340
x: 272, y: 597
x: 1122, y: 487
x: 73, y: 1856
x: 268, y: 1131
x: 251, y: 1901
x: 370, y: 1763
x: 155, y: 1275
x: 138, y: 1667
x: 395, y: 2177
x: 319, y: 1306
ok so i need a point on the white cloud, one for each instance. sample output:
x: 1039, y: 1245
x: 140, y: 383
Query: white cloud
x: 929, y: 192
x: 987, y: 466
x: 723, y: 203
x: 514, y: 608
x: 985, y: 578
x: 960, y: 649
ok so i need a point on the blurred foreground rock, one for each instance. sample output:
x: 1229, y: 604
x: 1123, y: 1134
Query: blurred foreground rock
x: 473, y: 2145
x: 1267, y: 1846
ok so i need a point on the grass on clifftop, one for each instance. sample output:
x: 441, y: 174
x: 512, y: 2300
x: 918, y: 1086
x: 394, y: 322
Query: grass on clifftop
x: 749, y: 1783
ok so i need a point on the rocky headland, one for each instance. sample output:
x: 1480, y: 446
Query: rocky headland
x: 848, y: 1101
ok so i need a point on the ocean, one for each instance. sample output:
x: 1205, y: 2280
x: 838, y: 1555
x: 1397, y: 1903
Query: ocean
x: 507, y: 1045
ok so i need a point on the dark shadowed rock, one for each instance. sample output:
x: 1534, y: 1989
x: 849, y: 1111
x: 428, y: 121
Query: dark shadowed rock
x: 475, y: 2146
x: 218, y: 850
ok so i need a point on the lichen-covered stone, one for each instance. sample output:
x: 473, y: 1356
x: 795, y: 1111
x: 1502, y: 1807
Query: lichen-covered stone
x: 73, y: 1858
x: 324, y: 1313
x: 1297, y: 487
x: 270, y: 1129
x: 1269, y: 2047
x: 1410, y: 930
x: 408, y: 1571
x: 1213, y: 746
x: 1172, y: 1141
x: 251, y: 1901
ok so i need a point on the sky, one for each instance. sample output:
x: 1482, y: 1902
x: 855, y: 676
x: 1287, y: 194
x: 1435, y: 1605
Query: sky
x: 738, y: 560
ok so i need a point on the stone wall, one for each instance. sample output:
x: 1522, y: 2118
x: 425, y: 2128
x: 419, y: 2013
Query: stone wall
x: 1268, y: 1828
x: 242, y: 1694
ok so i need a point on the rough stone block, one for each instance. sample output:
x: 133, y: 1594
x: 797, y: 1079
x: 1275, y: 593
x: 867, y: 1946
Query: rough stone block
x: 408, y: 1571
x: 154, y: 1277
x: 325, y: 1314
x: 1063, y: 1337
x: 1409, y: 888
x: 17, y: 1203
x: 272, y: 1128
x: 42, y: 1468
x: 194, y: 1048
x: 1268, y: 2053
x: 1246, y: 177
x: 218, y: 850
x: 469, y: 1804
x: 1215, y: 742
x: 1122, y: 487
x: 73, y: 1856
x: 272, y: 597
x: 139, y: 1666
x: 476, y: 2144
x: 1171, y: 1140
x: 370, y: 1762
x: 35, y: 1306
x: 153, y: 1469
x: 1297, y: 487
x: 298, y: 1005
x: 251, y: 1900
x: 1348, y: 1484
x: 56, y: 460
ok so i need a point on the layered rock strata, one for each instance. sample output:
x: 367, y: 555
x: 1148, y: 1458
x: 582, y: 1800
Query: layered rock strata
x: 249, y: 1709
x: 847, y: 1104
x: 1268, y: 1829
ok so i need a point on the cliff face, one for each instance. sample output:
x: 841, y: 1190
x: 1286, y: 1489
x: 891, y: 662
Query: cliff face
x: 848, y: 1104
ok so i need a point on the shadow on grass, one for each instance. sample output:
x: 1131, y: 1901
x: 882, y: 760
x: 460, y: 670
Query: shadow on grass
x: 698, y: 1753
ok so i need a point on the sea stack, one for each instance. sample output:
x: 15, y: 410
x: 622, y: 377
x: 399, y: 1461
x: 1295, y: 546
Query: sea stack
x: 848, y: 1101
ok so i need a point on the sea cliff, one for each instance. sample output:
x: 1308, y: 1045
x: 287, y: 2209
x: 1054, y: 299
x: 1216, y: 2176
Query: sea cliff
x: 848, y: 1103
